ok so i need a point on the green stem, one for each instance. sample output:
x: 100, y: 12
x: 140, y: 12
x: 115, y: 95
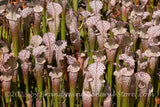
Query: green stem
x: 105, y: 6
x: 44, y: 17
x: 80, y: 81
x: 40, y: 86
x: 134, y: 47
x: 156, y: 105
x: 80, y: 85
x: 63, y: 86
x: 142, y: 101
x: 1, y: 28
x: 82, y: 35
x: 56, y: 99
x: 75, y: 5
x: 7, y: 96
x: 111, y: 34
x: 72, y: 83
x: 26, y: 86
x: 91, y: 59
x: 86, y: 40
x: 149, y: 71
x: 95, y: 101
x: 4, y: 31
x: 63, y: 22
x: 72, y: 95
x: 151, y: 3
x: 158, y: 89
x: 110, y: 73
x: 48, y: 91
x: 124, y: 101
x: 125, y: 90
x: 8, y: 105
x: 48, y: 99
x: 88, y: 7
x: 44, y: 102
x: 149, y: 8
x: 20, y: 97
x: 131, y: 101
x: 136, y: 2
x: 130, y: 26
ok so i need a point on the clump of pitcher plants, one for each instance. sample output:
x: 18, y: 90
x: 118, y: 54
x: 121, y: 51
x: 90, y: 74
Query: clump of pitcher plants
x: 67, y: 53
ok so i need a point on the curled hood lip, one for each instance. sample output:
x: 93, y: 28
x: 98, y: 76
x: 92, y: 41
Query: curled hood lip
x: 5, y: 78
x: 73, y: 68
x: 111, y: 43
x: 38, y: 8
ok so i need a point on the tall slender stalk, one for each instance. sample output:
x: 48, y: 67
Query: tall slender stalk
x: 40, y: 85
x: 63, y: 20
x: 4, y: 30
x: 88, y: 7
x: 95, y: 101
x: 158, y: 90
x: 56, y: 1
x: 72, y: 84
x: 48, y: 91
x: 75, y: 5
x: 151, y: 3
x: 44, y: 30
x: 44, y: 102
x: 136, y: 2
x: 118, y: 87
x: 26, y: 85
x: 105, y: 6
x: 110, y: 72
x: 142, y: 102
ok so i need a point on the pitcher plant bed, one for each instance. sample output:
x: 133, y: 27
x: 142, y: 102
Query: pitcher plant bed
x: 79, y: 53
